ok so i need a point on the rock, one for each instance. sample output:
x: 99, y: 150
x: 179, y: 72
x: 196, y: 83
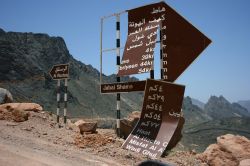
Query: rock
x: 86, y: 126
x: 230, y: 150
x: 20, y: 116
x: 239, y: 146
x: 245, y: 162
x: 5, y: 96
x: 127, y: 124
x: 22, y: 107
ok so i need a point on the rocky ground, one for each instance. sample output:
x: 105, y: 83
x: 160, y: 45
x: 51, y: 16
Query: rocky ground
x: 40, y: 141
x: 30, y: 136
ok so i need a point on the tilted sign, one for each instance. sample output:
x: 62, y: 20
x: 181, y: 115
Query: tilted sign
x: 60, y: 71
x: 159, y: 118
x: 138, y: 54
x: 181, y: 42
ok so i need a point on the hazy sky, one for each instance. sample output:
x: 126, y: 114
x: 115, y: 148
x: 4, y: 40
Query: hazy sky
x: 222, y: 69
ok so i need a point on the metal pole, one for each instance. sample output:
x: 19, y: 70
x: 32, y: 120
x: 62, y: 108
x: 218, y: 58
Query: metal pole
x: 118, y: 99
x: 58, y: 101
x: 101, y: 52
x: 161, y: 51
x: 65, y: 100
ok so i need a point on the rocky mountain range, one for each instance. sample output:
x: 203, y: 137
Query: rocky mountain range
x: 26, y: 59
x: 245, y: 104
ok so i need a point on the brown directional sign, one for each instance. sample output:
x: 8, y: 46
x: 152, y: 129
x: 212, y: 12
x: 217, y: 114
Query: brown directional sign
x: 159, y: 118
x: 181, y: 41
x: 60, y: 71
x: 123, y: 87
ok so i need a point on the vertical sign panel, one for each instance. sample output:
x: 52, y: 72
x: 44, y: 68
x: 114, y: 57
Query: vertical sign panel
x: 138, y: 54
x: 159, y: 118
x: 181, y: 41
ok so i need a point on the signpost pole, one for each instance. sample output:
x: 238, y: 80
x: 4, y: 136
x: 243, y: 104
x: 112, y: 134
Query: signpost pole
x: 65, y: 100
x: 161, y: 51
x: 118, y: 99
x: 58, y: 101
x: 101, y: 51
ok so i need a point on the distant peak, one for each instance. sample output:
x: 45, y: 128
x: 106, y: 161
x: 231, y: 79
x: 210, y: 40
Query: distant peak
x: 1, y: 31
x: 220, y: 99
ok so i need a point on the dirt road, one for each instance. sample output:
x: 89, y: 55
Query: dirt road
x: 37, y: 143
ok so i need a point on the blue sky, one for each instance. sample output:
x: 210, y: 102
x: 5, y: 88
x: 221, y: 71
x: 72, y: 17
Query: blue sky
x: 222, y: 69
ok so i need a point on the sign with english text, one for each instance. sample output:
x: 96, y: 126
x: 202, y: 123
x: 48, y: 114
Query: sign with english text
x: 159, y: 118
x: 181, y: 41
x: 60, y: 71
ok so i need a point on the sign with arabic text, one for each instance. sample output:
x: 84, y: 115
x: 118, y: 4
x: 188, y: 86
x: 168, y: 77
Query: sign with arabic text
x: 159, y: 118
x: 60, y: 71
x: 181, y: 41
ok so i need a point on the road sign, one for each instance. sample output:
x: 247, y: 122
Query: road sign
x: 159, y: 119
x: 121, y: 87
x: 60, y: 71
x: 181, y: 41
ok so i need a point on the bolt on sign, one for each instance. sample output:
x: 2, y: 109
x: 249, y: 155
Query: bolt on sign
x: 159, y: 118
x: 60, y: 71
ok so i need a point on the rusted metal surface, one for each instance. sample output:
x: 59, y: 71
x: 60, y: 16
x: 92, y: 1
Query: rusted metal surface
x: 159, y: 119
x: 181, y: 41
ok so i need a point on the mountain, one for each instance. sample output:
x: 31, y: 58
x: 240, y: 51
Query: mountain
x: 198, y: 103
x: 245, y: 104
x: 199, y: 136
x: 192, y: 113
x: 219, y: 107
x: 219, y: 117
x: 25, y: 61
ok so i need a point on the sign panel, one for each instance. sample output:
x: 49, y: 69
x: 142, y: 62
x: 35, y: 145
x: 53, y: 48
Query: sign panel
x: 159, y: 118
x: 123, y: 87
x: 60, y: 71
x: 181, y: 41
x: 138, y: 54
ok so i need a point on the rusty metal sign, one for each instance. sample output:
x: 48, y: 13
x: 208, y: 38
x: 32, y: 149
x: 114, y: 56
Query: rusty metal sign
x: 159, y: 118
x: 60, y: 71
x: 181, y: 41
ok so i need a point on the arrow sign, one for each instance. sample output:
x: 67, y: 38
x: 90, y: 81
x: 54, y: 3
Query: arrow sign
x: 60, y: 71
x: 181, y: 41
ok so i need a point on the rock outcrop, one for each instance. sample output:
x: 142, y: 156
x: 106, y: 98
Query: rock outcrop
x: 5, y: 96
x: 25, y: 62
x: 18, y: 112
x: 230, y: 150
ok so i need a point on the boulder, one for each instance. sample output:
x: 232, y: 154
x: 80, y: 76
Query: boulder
x: 230, y: 150
x: 127, y: 124
x: 238, y: 146
x: 5, y: 96
x: 22, y: 106
x: 84, y: 126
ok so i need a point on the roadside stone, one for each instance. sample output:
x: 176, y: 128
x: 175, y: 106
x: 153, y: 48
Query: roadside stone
x: 127, y: 124
x: 84, y: 127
